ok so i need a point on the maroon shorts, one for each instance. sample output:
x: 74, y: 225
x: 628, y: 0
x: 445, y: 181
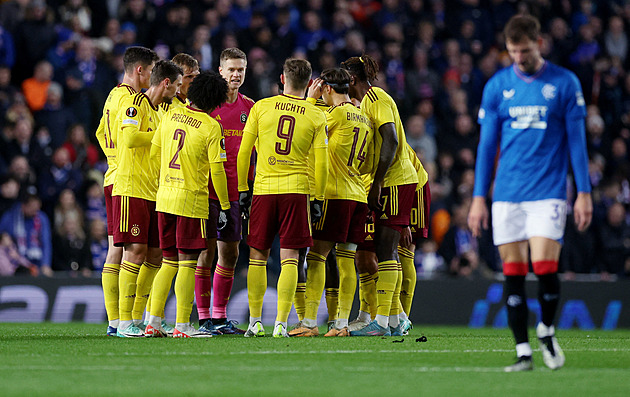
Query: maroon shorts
x: 233, y: 230
x: 368, y: 241
x: 343, y: 221
x: 182, y: 232
x: 420, y: 214
x: 285, y: 214
x: 135, y: 221
x: 109, y: 209
x: 397, y: 201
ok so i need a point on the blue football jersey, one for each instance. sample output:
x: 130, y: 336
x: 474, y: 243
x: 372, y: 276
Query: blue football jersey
x: 530, y: 116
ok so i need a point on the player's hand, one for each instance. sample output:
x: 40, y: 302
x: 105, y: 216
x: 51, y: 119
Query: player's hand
x: 245, y: 201
x: 316, y: 210
x: 223, y: 219
x: 374, y: 198
x: 583, y: 211
x: 315, y: 90
x: 478, y: 216
x: 405, y: 238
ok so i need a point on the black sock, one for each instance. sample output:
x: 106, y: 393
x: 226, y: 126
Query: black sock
x: 516, y: 303
x: 202, y: 321
x: 548, y: 296
x: 216, y: 321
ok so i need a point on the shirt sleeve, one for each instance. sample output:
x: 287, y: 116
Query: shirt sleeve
x: 130, y: 120
x: 488, y: 141
x: 250, y: 133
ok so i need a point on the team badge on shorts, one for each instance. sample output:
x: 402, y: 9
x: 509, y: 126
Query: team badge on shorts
x: 131, y: 112
x: 135, y: 230
x: 243, y: 118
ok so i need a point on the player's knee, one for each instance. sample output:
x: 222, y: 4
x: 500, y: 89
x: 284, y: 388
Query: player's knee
x: 545, y: 267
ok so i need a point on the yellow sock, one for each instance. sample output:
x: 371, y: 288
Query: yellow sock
x: 161, y: 287
x: 408, y: 287
x: 385, y: 286
x: 286, y: 289
x: 256, y: 286
x: 315, y: 280
x: 299, y: 300
x: 185, y: 290
x: 143, y: 288
x: 364, y: 278
x: 332, y: 302
x: 127, y: 288
x: 396, y: 306
x: 347, y: 281
x: 109, y: 279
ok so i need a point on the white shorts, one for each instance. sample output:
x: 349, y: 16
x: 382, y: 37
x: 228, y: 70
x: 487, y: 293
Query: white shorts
x: 512, y: 222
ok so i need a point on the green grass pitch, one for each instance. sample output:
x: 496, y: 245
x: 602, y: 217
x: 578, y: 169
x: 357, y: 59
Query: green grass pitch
x: 76, y: 359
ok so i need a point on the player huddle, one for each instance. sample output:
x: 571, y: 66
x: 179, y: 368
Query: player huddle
x: 177, y: 188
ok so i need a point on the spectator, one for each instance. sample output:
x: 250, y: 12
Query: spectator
x: 421, y: 81
x: 613, y: 239
x: 66, y: 206
x: 76, y: 12
x: 11, y: 262
x: 142, y: 16
x: 201, y: 48
x: 34, y: 36
x: 459, y: 248
x: 23, y: 144
x: 616, y: 39
x: 9, y: 193
x: 98, y: 243
x: 427, y: 260
x: 8, y: 93
x: 55, y: 115
x: 61, y: 54
x: 56, y: 177
x: 23, y: 173
x: 73, y: 253
x: 94, y: 201
x: 35, y: 89
x: 83, y: 153
x: 30, y: 229
x: 7, y: 48
x: 418, y: 139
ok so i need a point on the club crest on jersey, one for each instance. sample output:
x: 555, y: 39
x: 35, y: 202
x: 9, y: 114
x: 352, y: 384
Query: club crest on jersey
x: 508, y: 94
x: 243, y: 118
x: 131, y: 112
x: 549, y: 91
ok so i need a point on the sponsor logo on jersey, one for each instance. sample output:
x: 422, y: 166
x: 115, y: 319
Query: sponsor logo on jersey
x: 131, y: 112
x: 549, y: 91
x: 271, y: 160
x: 508, y: 94
x: 579, y: 98
x: 243, y: 118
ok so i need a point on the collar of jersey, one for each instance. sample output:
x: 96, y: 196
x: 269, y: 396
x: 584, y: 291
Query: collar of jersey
x: 194, y: 109
x: 529, y: 78
x: 293, y: 97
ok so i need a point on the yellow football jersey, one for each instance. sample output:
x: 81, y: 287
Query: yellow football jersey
x: 349, y: 132
x: 106, y: 131
x: 423, y: 176
x: 381, y: 109
x: 188, y: 141
x: 321, y: 105
x: 137, y: 121
x: 284, y: 128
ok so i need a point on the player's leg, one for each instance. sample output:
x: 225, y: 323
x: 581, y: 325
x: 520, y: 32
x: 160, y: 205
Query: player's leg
x: 299, y: 301
x: 315, y: 281
x: 545, y: 254
x: 347, y: 287
x: 227, y: 246
x: 263, y: 226
x: 111, y: 268
x: 408, y: 285
x: 331, y: 287
x: 367, y: 266
x: 515, y: 266
x: 203, y: 274
x: 133, y: 257
x: 149, y: 268
x: 294, y: 229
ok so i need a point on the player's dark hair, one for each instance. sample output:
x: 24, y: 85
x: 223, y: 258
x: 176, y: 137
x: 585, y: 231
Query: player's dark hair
x: 363, y: 68
x: 208, y: 91
x: 138, y: 55
x: 185, y: 61
x: 165, y: 69
x: 522, y: 27
x: 232, y: 53
x: 338, y: 79
x: 297, y: 72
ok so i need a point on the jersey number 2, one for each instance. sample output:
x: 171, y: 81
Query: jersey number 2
x: 180, y: 136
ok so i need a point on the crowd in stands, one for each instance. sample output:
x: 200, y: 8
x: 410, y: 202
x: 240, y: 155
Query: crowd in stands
x: 60, y: 58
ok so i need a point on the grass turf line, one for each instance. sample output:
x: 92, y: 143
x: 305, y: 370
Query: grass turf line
x: 77, y: 359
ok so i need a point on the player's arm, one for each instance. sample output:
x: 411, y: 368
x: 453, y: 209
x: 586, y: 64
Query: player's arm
x: 486, y: 152
x: 100, y: 133
x: 219, y: 181
x: 130, y: 117
x: 583, y: 207
x: 243, y: 160
x: 385, y: 158
x: 155, y: 156
x: 320, y: 147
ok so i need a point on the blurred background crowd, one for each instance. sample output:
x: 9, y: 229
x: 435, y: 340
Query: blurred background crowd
x: 60, y: 58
